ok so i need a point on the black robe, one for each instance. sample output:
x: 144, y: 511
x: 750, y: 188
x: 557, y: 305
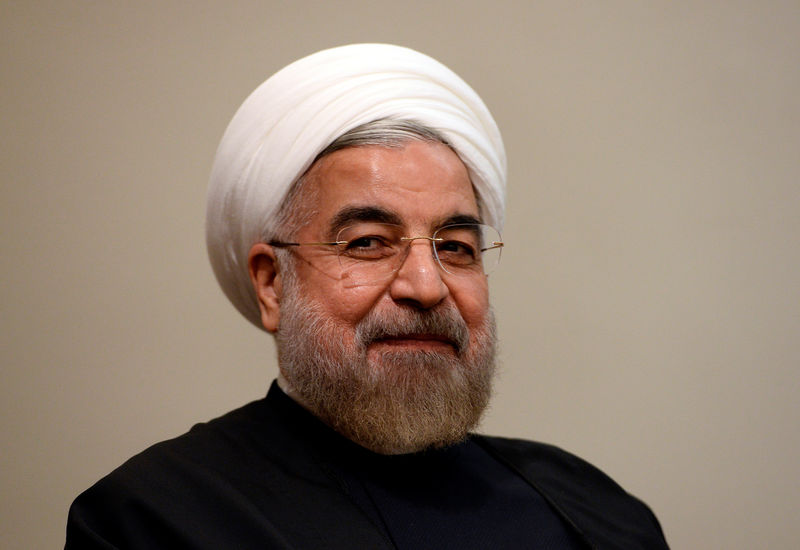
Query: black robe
x: 270, y: 475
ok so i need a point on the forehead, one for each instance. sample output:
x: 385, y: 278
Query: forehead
x: 422, y: 184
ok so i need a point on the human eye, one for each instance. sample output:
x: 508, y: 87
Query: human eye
x: 365, y: 243
x: 457, y: 252
x: 372, y: 242
x: 459, y: 245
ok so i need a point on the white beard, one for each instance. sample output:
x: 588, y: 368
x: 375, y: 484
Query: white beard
x: 394, y: 401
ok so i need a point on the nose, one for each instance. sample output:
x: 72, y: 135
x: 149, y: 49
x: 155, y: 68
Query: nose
x: 418, y: 281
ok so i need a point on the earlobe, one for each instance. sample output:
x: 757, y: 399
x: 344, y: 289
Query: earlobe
x: 266, y: 282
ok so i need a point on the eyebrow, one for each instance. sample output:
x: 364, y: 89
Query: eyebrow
x: 460, y: 218
x: 353, y: 214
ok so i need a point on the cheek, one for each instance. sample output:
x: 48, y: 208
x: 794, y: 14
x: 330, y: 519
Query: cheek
x: 349, y: 305
x: 472, y: 302
x: 342, y: 305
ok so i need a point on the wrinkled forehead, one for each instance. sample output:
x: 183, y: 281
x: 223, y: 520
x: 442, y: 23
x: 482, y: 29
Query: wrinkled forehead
x: 420, y: 184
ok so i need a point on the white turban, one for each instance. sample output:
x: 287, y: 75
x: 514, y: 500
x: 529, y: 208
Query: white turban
x: 279, y: 130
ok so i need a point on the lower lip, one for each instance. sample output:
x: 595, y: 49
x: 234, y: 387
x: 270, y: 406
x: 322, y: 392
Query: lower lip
x: 413, y: 344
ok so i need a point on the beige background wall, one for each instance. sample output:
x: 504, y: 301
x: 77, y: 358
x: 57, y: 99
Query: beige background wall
x: 649, y: 301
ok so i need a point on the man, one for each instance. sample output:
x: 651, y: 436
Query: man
x: 353, y: 212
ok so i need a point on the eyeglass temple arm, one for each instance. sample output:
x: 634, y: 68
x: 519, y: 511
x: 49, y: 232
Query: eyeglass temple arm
x: 280, y: 244
x: 495, y: 244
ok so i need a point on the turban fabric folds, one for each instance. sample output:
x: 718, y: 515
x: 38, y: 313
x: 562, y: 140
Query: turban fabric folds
x: 289, y: 119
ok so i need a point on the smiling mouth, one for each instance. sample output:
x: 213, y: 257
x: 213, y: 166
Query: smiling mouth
x: 416, y: 341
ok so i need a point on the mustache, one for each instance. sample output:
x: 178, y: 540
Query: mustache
x: 445, y: 323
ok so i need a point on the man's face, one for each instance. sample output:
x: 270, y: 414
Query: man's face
x: 405, y: 362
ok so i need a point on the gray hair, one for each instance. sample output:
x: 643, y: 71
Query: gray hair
x: 384, y: 132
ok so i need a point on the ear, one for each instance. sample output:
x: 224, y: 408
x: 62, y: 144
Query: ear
x: 266, y: 282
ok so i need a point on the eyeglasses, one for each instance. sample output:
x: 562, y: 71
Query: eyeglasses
x: 371, y: 252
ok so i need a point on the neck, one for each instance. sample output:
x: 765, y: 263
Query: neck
x: 287, y: 388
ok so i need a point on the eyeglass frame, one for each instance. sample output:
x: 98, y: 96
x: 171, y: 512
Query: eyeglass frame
x: 433, y: 239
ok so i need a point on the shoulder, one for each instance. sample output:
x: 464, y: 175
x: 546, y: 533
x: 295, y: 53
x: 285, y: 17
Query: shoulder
x: 542, y: 459
x: 251, y: 478
x: 225, y: 444
x: 165, y: 495
x: 596, y: 504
